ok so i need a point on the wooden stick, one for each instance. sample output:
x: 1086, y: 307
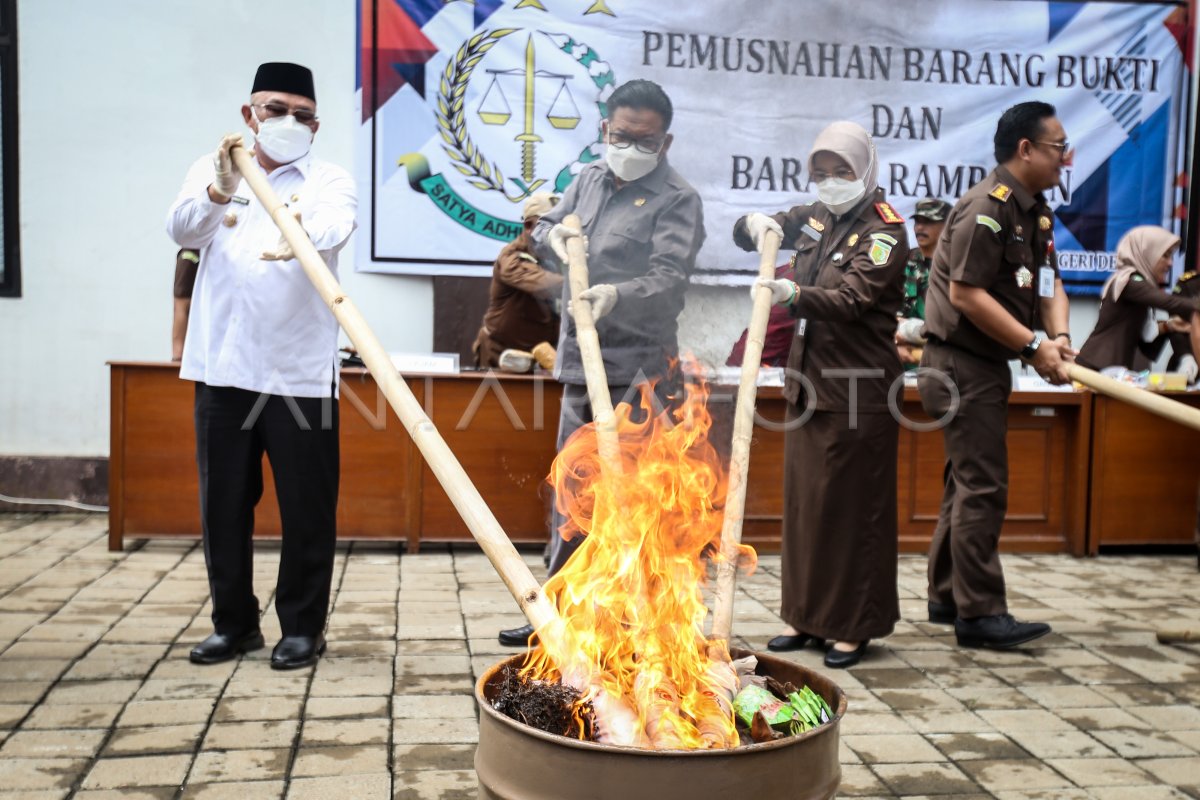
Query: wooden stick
x: 1147, y: 401
x: 1178, y: 633
x: 450, y: 474
x: 739, y: 459
x: 589, y: 350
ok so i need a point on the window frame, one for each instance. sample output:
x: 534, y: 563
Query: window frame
x: 10, y: 281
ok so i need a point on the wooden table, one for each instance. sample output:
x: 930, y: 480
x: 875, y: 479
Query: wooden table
x: 1145, y: 476
x: 503, y: 430
x: 1048, y: 451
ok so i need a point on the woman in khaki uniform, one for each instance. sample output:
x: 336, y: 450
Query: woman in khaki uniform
x: 1126, y: 325
x: 839, y: 528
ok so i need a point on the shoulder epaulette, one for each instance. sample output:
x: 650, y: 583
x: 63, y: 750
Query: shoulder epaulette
x: 888, y: 214
x: 1002, y: 192
x: 1187, y: 276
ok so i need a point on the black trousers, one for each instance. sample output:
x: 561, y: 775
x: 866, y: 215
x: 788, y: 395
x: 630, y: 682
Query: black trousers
x: 234, y: 427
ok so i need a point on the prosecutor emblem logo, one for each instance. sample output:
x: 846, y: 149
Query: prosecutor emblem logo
x: 516, y: 111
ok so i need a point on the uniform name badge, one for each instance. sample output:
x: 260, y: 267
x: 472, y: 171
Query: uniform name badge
x: 801, y: 324
x: 1045, y: 282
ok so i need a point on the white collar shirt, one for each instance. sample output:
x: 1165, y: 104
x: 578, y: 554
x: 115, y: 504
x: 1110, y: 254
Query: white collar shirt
x: 255, y: 324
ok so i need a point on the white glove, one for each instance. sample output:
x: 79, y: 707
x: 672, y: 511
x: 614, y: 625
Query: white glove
x: 558, y: 240
x: 782, y: 291
x: 909, y: 331
x: 602, y: 298
x: 228, y: 176
x: 1150, y: 328
x: 1187, y: 365
x: 758, y: 224
x: 283, y: 250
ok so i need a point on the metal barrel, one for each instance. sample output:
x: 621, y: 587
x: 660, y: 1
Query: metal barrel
x: 516, y: 762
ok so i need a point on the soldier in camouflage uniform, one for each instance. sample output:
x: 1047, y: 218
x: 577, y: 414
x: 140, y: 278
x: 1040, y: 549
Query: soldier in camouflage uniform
x: 928, y: 221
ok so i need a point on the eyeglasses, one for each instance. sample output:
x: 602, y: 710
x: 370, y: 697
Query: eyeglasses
x: 303, y: 115
x: 1064, y: 148
x: 623, y: 142
x: 842, y: 173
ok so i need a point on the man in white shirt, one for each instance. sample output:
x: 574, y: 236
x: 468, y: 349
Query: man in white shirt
x: 262, y: 349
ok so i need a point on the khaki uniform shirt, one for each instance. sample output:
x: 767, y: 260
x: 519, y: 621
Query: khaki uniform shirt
x: 851, y: 273
x: 521, y: 310
x: 998, y: 237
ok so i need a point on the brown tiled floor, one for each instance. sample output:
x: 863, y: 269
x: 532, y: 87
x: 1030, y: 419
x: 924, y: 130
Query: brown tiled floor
x: 98, y: 700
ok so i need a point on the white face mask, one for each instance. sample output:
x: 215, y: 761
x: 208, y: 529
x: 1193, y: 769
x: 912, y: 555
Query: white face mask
x: 630, y: 164
x: 283, y: 139
x: 840, y: 195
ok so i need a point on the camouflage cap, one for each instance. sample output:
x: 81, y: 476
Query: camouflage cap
x: 932, y: 209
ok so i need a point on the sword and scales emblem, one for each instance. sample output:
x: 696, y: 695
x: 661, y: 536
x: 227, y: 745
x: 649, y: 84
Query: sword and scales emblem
x: 494, y: 109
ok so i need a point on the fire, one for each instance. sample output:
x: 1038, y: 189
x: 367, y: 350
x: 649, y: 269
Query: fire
x: 630, y: 598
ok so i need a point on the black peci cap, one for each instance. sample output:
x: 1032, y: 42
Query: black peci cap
x: 282, y: 76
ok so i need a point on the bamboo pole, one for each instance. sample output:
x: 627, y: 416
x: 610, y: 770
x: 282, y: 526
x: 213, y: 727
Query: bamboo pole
x: 450, y: 474
x: 1178, y: 633
x: 1147, y: 401
x: 589, y: 350
x: 743, y: 430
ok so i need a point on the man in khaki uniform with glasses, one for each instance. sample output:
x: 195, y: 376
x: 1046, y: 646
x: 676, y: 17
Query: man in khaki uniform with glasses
x: 994, y: 283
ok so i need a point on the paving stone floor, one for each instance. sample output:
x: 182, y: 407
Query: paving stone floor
x: 98, y: 699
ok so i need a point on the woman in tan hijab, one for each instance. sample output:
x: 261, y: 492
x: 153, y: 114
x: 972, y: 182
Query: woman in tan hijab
x: 1126, y: 325
x: 839, y: 526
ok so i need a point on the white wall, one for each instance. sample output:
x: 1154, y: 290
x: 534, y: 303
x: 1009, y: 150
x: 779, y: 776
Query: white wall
x: 116, y: 100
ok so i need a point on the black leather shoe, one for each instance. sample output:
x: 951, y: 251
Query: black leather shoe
x: 840, y: 659
x: 518, y: 637
x: 785, y: 642
x: 294, y: 652
x: 942, y: 613
x: 218, y: 647
x: 999, y: 631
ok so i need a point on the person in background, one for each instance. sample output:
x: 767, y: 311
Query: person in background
x: 928, y: 220
x: 521, y: 313
x: 1183, y: 343
x: 262, y: 349
x: 643, y: 225
x: 994, y: 274
x: 187, y: 262
x: 781, y: 327
x: 1126, y: 324
x: 840, y: 446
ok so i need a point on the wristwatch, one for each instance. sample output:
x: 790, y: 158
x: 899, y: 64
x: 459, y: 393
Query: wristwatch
x: 1029, y: 350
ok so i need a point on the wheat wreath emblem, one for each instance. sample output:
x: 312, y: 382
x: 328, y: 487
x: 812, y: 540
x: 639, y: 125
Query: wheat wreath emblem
x: 452, y: 116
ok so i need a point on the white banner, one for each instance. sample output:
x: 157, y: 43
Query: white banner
x: 470, y: 106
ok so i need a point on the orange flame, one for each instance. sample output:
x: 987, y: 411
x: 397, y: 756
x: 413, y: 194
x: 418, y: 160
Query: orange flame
x: 630, y: 597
